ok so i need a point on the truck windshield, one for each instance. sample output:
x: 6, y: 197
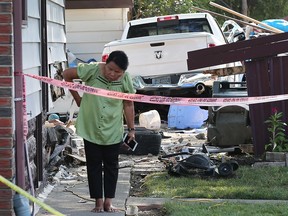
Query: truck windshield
x: 181, y: 26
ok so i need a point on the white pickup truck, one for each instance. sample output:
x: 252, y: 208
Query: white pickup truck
x: 157, y: 50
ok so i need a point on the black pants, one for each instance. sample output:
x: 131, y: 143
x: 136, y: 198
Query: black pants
x: 96, y: 156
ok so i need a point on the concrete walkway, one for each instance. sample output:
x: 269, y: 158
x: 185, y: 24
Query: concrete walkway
x: 71, y: 197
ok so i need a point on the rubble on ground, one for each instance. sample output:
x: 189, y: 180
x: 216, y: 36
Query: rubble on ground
x: 65, y: 148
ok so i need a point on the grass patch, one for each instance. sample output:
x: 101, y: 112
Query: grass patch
x: 248, y: 183
x: 224, y: 208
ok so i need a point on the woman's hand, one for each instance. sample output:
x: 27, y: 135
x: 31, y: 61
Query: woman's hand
x: 131, y: 135
x: 69, y: 75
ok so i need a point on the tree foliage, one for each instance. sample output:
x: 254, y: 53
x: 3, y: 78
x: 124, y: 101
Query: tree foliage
x: 257, y: 9
x: 268, y: 9
x: 149, y: 8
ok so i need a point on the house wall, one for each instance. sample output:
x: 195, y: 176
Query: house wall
x: 31, y: 57
x: 6, y: 112
x: 54, y: 64
x: 32, y: 64
x: 89, y: 29
x: 56, y: 42
x: 85, y: 4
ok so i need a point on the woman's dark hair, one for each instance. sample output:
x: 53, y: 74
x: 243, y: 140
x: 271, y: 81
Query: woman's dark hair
x: 120, y: 59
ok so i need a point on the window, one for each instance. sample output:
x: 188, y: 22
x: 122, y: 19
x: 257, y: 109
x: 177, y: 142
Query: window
x: 169, y: 27
x: 24, y: 13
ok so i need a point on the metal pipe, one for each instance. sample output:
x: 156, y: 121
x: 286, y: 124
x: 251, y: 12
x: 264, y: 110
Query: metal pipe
x: 231, y: 18
x: 275, y: 30
x: 44, y: 87
x: 44, y: 57
x: 18, y: 85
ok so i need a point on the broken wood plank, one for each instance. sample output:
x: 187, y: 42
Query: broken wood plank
x: 265, y: 46
x: 82, y: 159
x: 226, y: 71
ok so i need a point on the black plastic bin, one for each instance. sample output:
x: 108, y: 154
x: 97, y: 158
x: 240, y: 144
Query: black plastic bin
x: 149, y: 142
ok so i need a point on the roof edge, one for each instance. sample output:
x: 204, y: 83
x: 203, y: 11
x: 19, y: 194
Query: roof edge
x: 92, y: 4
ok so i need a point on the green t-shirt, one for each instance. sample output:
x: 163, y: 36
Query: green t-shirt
x: 100, y: 119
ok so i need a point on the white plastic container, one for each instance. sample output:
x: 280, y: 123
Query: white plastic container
x: 186, y: 117
x: 150, y: 120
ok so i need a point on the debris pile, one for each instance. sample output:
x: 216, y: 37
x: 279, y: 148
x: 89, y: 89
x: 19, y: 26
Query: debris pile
x: 191, y: 155
x: 63, y: 148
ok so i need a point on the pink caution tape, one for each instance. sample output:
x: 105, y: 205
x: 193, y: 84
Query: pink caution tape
x: 25, y: 121
x: 161, y: 99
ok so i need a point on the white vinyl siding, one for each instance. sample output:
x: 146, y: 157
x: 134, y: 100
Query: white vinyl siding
x: 31, y: 52
x: 56, y: 37
x: 88, y: 30
x: 31, y: 48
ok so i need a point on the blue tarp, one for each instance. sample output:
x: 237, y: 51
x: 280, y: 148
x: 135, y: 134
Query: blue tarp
x: 280, y: 24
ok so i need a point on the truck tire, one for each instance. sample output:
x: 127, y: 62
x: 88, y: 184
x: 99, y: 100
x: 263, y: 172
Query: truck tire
x: 149, y: 142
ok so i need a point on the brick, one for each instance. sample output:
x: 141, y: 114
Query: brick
x: 7, y: 212
x: 5, y: 50
x: 5, y: 122
x: 5, y: 71
x: 5, y: 60
x: 6, y: 173
x: 5, y: 131
x: 5, y: 102
x: 6, y: 39
x: 6, y: 143
x: 3, y: 186
x: 5, y: 193
x: 6, y: 92
x: 6, y: 163
x: 5, y: 18
x: 5, y: 112
x: 5, y: 204
x: 6, y: 7
x: 5, y: 153
x: 5, y: 81
x: 275, y: 156
x: 5, y: 29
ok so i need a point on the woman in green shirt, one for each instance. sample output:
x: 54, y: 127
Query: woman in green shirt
x: 100, y: 123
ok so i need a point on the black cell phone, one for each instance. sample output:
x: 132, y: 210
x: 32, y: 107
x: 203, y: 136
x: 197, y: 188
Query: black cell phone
x: 132, y: 144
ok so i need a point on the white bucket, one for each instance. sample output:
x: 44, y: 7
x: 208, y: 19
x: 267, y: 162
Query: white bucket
x: 150, y: 120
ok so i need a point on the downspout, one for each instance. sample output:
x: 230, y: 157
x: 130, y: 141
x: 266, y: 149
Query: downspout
x: 18, y: 85
x: 39, y: 118
x: 44, y: 56
x: 20, y: 203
